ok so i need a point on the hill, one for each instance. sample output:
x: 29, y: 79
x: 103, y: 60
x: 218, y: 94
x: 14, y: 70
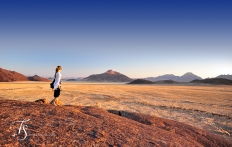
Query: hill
x: 71, y: 80
x: 141, y: 81
x: 187, y: 77
x: 216, y: 81
x: 225, y: 77
x: 10, y: 76
x: 163, y: 77
x: 110, y: 76
x: 74, y: 79
x: 166, y: 82
x: 47, y: 125
x: 38, y: 78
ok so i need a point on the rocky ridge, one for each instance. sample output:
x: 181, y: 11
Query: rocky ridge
x: 48, y: 125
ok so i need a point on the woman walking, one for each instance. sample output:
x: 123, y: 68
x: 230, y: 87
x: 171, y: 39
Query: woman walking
x: 57, y: 86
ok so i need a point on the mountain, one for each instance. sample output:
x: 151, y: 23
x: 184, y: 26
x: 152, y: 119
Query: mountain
x: 75, y: 79
x: 71, y: 80
x: 187, y: 77
x: 166, y: 82
x: 110, y: 76
x: 215, y: 81
x: 79, y: 78
x: 164, y: 77
x: 38, y: 78
x: 66, y: 78
x: 10, y: 76
x: 141, y: 81
x: 225, y: 77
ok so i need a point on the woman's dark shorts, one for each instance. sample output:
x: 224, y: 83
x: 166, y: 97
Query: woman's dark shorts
x: 57, y: 92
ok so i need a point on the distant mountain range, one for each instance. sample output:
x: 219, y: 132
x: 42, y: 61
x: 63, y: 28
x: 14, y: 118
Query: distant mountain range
x: 187, y: 77
x: 210, y: 81
x: 109, y: 76
x: 214, y: 81
x: 225, y: 77
x: 74, y: 79
x: 141, y: 81
x: 10, y: 76
x: 113, y: 76
x: 68, y: 78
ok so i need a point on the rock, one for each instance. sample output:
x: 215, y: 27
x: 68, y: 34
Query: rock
x: 189, y: 132
x: 43, y: 101
x: 92, y: 126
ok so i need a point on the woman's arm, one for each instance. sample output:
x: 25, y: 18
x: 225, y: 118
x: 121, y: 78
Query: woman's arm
x: 57, y: 81
x: 59, y: 78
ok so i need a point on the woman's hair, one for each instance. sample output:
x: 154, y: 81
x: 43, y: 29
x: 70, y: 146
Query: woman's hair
x: 57, y: 69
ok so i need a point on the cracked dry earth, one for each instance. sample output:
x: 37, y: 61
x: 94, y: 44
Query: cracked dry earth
x: 47, y: 125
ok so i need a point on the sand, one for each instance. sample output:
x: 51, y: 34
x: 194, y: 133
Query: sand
x: 206, y: 107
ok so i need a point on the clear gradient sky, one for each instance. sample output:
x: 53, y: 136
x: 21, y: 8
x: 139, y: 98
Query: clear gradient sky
x: 139, y: 38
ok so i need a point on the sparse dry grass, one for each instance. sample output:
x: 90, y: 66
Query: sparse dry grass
x: 206, y: 107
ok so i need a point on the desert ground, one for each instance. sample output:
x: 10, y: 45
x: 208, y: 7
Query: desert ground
x: 204, y: 106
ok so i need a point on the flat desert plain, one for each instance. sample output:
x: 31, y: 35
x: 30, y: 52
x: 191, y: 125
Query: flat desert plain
x: 204, y: 106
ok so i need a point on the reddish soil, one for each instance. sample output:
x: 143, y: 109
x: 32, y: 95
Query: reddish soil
x: 91, y: 126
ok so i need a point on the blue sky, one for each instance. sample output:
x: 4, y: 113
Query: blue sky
x: 137, y: 38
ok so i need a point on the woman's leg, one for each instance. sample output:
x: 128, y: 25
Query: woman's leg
x: 56, y: 95
x: 57, y: 102
x: 53, y: 101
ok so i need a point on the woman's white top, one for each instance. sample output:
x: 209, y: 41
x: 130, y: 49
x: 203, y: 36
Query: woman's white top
x: 57, y: 80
